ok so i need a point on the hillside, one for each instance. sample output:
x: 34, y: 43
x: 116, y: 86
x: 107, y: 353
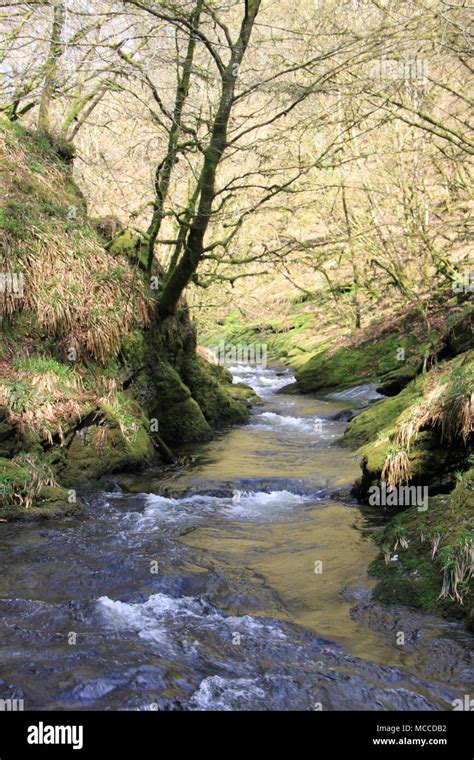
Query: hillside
x: 91, y: 381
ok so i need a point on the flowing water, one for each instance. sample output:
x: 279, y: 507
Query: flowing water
x: 236, y: 580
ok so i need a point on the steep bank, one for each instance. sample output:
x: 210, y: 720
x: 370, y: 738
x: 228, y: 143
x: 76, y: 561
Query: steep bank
x: 91, y: 381
x: 422, y: 439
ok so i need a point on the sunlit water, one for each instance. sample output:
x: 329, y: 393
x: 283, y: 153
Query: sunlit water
x: 236, y: 580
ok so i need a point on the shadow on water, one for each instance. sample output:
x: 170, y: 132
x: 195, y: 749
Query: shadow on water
x: 235, y: 581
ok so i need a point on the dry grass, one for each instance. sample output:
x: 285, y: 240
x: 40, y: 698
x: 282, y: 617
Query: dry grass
x: 80, y: 295
x: 49, y: 399
x: 396, y: 469
x: 23, y: 481
x: 44, y: 404
x: 447, y: 404
x: 458, y: 569
x: 453, y: 414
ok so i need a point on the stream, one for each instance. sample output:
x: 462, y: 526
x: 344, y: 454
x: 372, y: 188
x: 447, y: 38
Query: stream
x: 234, y: 581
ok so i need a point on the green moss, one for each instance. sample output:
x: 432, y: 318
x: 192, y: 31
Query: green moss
x: 102, y: 431
x: 13, y: 484
x: 434, y: 537
x: 53, y: 502
x: 8, y: 438
x: 124, y: 412
x: 459, y: 336
x: 393, y: 382
x: 128, y: 243
x: 179, y: 416
x: 430, y: 460
x: 99, y: 450
x: 243, y: 393
x: 133, y: 350
x: 379, y: 419
x: 349, y: 366
x: 292, y: 338
x: 28, y: 490
x: 431, y: 463
x: 219, y: 407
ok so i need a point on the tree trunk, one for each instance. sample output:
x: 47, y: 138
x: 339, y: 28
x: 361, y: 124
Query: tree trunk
x: 165, y: 168
x: 194, y: 246
x: 51, y: 66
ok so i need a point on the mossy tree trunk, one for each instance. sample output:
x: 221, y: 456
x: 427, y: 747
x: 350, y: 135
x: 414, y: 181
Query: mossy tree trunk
x: 56, y: 49
x: 193, y: 251
x: 165, y: 168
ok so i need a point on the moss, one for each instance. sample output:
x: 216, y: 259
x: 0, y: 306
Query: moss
x: 292, y: 338
x: 431, y: 464
x: 395, y: 381
x: 13, y: 484
x: 133, y: 349
x: 8, y: 438
x: 128, y: 243
x: 459, y: 336
x: 416, y: 577
x: 122, y: 411
x: 379, y: 419
x: 179, y: 416
x: 69, y: 413
x: 219, y: 407
x: 99, y: 450
x: 28, y: 491
x: 354, y: 365
x: 430, y: 461
x: 53, y: 501
x: 245, y: 394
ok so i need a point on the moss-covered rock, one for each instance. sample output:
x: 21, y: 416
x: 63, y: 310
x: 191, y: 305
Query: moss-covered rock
x: 98, y: 450
x: 245, y: 394
x: 419, y: 550
x: 54, y: 501
x: 352, y: 365
x: 211, y: 392
x: 395, y: 381
x: 130, y: 244
x: 8, y: 439
x: 180, y: 419
x: 459, y: 337
x: 430, y: 463
x: 187, y: 395
x: 378, y: 420
x: 398, y: 433
x: 28, y: 491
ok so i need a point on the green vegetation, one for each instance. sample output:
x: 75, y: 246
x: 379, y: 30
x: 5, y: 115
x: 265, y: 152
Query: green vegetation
x: 28, y: 490
x: 403, y: 438
x: 435, y: 562
x: 339, y: 368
